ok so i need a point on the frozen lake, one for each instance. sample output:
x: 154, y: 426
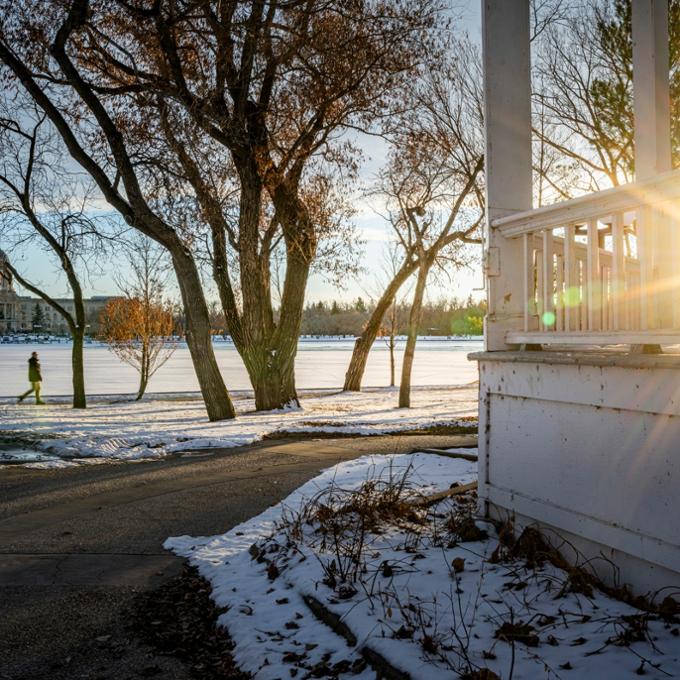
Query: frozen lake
x: 320, y: 363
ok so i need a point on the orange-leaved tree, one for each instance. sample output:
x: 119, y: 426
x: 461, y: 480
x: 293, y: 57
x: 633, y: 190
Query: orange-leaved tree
x: 137, y: 331
x: 138, y: 326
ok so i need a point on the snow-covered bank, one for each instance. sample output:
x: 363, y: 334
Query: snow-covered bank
x: 431, y: 591
x: 153, y: 429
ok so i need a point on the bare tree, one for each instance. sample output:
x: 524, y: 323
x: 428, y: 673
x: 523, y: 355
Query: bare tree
x: 137, y: 327
x: 583, y: 112
x: 267, y: 84
x: 43, y: 204
x: 44, y: 50
x: 364, y: 342
x: 426, y: 201
x: 392, y: 342
x: 391, y: 323
x: 307, y: 72
x: 432, y: 186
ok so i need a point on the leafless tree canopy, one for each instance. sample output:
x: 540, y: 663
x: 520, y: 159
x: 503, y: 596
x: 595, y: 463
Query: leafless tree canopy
x: 431, y: 189
x: 231, y: 117
x: 583, y: 96
x: 46, y: 207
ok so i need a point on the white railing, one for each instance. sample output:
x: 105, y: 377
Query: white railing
x: 603, y: 268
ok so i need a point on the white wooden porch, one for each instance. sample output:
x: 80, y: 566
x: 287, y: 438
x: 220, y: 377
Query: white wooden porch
x: 585, y: 444
x: 601, y: 269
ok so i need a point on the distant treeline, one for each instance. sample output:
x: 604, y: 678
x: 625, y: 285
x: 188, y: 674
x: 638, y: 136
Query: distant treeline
x: 445, y: 317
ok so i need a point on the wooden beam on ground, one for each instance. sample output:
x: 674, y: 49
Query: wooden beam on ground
x: 450, y: 454
x: 426, y: 501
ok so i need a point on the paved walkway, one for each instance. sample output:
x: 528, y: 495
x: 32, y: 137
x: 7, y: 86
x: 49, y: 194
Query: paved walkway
x: 77, y: 544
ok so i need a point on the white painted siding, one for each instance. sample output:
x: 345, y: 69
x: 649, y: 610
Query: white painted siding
x: 592, y: 451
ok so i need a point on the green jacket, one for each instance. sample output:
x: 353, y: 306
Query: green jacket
x: 34, y: 374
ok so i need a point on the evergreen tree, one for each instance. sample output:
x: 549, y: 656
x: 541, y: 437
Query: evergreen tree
x: 583, y: 98
x: 38, y: 316
x: 613, y: 93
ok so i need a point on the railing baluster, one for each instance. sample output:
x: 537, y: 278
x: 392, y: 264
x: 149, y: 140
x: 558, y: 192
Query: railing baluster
x: 559, y: 292
x: 548, y: 280
x: 593, y: 278
x: 605, y: 280
x: 643, y: 235
x: 582, y: 319
x: 570, y: 287
x: 674, y: 225
x: 618, y: 274
x: 528, y: 278
x: 634, y: 302
x: 644, y: 258
x: 539, y: 288
x: 663, y: 249
x: 616, y: 290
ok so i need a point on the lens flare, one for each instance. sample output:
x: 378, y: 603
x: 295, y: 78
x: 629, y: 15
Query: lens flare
x: 548, y: 318
x: 572, y: 296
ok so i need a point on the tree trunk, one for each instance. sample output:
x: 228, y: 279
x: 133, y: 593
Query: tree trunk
x: 392, y: 371
x: 269, y: 349
x: 199, y: 339
x: 363, y: 344
x: 143, y: 372
x: 271, y: 368
x: 143, y: 382
x: 77, y: 328
x: 270, y: 363
x: 413, y: 321
x: 300, y: 251
x: 287, y: 353
x: 272, y: 381
x: 393, y: 331
x: 78, y: 369
x: 265, y: 382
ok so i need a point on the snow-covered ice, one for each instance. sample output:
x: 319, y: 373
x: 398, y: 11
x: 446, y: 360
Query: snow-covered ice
x: 320, y: 363
x: 435, y: 605
x: 153, y: 429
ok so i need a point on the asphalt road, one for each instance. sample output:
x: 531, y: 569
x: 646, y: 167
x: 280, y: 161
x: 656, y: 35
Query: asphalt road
x: 77, y: 545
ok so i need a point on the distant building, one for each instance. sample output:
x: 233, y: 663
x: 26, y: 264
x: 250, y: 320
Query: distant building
x: 24, y: 314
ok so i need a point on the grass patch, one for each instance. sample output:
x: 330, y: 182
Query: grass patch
x: 464, y: 426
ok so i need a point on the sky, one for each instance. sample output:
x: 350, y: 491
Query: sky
x: 40, y: 269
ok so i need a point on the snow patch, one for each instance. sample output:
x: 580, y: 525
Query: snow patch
x: 434, y: 604
x: 154, y: 429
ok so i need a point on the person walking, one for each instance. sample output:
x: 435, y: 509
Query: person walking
x: 35, y: 378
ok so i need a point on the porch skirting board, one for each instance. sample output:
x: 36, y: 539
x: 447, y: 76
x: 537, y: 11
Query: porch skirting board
x: 590, y: 450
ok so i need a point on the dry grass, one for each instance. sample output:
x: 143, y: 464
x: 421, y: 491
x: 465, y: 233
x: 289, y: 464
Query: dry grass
x: 339, y: 527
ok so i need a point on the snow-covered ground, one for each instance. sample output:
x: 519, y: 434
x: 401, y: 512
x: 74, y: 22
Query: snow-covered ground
x: 153, y: 429
x: 320, y: 363
x: 423, y: 588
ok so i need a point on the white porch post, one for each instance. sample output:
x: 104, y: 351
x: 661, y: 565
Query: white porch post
x: 651, y: 88
x: 507, y: 107
x: 653, y: 155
